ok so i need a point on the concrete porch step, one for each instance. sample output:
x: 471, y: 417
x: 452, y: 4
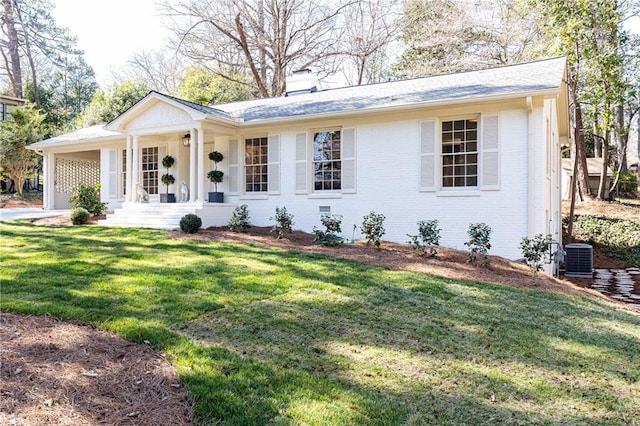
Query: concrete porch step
x: 168, y: 215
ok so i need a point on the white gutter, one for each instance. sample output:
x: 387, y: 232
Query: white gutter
x: 530, y: 164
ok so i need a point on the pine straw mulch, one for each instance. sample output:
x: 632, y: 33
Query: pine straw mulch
x: 55, y: 372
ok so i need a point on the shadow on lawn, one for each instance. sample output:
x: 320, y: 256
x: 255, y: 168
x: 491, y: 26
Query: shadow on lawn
x: 263, y: 335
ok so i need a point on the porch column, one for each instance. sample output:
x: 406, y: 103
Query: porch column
x: 193, y: 186
x: 201, y: 165
x: 134, y: 168
x: 130, y: 189
x: 48, y: 178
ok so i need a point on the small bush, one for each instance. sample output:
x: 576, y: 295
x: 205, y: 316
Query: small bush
x: 239, y: 221
x: 373, y: 228
x: 79, y: 215
x: 428, y: 238
x: 479, y: 245
x: 533, y: 250
x: 332, y: 227
x: 190, y: 223
x: 284, y: 222
x: 88, y: 197
x: 628, y: 182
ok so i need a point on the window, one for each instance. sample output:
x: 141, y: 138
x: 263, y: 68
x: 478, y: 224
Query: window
x: 327, y: 164
x: 256, y: 164
x: 460, y: 153
x: 149, y: 169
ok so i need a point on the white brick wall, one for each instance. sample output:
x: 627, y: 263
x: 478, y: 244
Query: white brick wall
x: 388, y: 182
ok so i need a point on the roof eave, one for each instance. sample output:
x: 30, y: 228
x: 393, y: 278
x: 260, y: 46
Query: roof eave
x: 38, y: 146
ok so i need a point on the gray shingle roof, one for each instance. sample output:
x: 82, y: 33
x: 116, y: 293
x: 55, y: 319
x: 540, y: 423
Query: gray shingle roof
x: 504, y: 81
x: 508, y: 81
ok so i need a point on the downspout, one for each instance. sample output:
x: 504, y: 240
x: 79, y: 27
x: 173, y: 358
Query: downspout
x: 531, y: 168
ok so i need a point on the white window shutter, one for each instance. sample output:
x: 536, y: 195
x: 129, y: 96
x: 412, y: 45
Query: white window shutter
x: 233, y: 167
x: 273, y: 168
x: 490, y: 159
x: 113, y: 173
x: 428, y: 155
x: 349, y: 160
x: 301, y: 163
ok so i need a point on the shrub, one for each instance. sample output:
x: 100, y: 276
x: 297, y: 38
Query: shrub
x: 333, y: 226
x: 479, y: 246
x: 373, y: 228
x: 617, y: 238
x: 533, y: 250
x: 88, y: 197
x: 239, y: 221
x: 428, y: 238
x: 190, y: 223
x: 628, y: 182
x: 284, y: 222
x: 79, y: 215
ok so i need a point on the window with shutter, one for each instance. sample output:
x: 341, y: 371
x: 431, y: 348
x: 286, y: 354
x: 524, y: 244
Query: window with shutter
x: 349, y: 160
x: 113, y: 173
x: 301, y: 163
x: 490, y: 152
x: 427, y: 156
x: 273, y: 169
x: 233, y: 167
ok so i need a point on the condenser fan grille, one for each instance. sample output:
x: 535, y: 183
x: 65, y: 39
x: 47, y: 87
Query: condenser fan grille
x: 578, y: 262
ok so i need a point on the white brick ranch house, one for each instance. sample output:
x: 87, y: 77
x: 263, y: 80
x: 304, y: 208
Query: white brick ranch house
x: 481, y: 146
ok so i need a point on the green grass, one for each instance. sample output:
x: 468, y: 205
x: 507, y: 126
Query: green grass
x: 268, y: 336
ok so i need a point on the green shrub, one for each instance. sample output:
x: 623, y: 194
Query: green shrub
x: 79, y: 215
x: 479, y: 245
x: 628, y: 182
x: 533, y: 250
x: 617, y: 238
x: 284, y: 222
x: 332, y: 227
x: 373, y: 228
x: 428, y: 238
x: 239, y: 221
x: 88, y: 197
x: 190, y: 223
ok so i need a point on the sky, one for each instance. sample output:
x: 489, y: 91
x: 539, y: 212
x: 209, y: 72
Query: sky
x: 110, y: 31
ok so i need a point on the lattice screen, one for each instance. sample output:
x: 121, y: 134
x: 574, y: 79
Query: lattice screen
x: 71, y: 172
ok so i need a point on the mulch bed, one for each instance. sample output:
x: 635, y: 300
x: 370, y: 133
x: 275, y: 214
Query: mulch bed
x: 55, y: 372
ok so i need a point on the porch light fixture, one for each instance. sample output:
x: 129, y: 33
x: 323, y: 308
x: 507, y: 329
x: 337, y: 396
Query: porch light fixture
x: 186, y: 140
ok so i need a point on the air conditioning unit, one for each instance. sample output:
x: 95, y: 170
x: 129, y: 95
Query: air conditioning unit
x: 578, y: 261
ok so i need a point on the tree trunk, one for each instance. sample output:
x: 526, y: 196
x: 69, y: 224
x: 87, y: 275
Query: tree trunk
x: 597, y: 141
x: 638, y: 165
x: 621, y: 137
x: 15, y: 70
x: 582, y: 176
x: 604, y: 181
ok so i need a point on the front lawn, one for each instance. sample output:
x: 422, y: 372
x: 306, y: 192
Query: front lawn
x: 267, y: 336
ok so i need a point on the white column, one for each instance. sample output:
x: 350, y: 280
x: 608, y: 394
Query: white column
x: 135, y: 166
x: 200, y: 166
x: 130, y: 189
x: 46, y: 183
x: 193, y: 186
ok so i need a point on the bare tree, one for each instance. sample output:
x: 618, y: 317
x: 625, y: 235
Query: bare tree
x: 373, y: 26
x: 264, y: 39
x: 163, y: 70
x: 9, y: 45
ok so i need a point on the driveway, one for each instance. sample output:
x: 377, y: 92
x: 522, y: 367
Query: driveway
x: 29, y: 213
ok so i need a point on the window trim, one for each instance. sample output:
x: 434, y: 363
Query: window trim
x: 311, y: 172
x: 462, y: 190
x: 245, y: 138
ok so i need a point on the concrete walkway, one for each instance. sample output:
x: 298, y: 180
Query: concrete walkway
x: 618, y: 284
x: 29, y: 213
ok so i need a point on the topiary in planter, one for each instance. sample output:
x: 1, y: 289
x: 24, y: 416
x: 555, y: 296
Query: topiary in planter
x: 190, y: 223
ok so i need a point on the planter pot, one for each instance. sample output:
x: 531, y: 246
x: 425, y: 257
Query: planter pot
x: 216, y: 197
x: 167, y: 198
